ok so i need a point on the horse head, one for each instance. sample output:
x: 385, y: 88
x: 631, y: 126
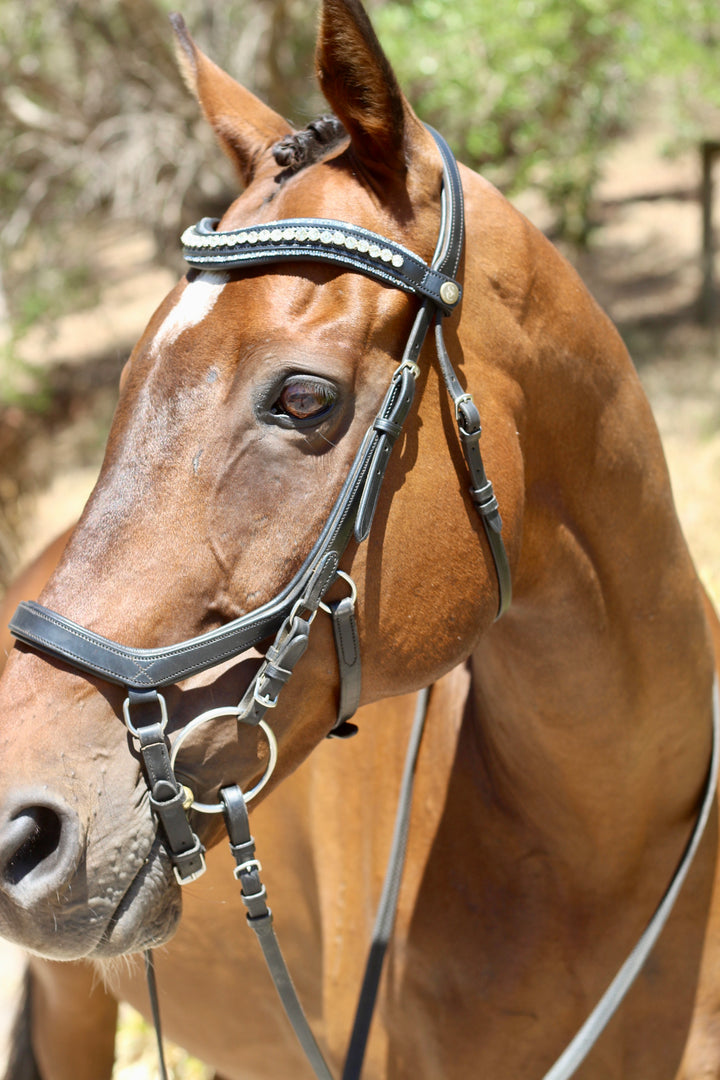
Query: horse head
x: 244, y: 409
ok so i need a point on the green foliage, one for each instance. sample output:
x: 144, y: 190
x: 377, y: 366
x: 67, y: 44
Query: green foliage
x: 136, y: 1052
x: 535, y: 92
x: 95, y: 117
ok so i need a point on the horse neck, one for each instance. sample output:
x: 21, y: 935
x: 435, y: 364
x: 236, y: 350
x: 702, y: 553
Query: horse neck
x: 592, y: 696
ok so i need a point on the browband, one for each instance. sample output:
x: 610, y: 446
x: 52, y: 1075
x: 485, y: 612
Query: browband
x: 323, y: 241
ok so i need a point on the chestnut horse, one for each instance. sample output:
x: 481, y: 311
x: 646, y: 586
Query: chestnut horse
x: 567, y: 744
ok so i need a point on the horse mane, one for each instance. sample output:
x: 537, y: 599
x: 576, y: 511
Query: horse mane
x: 296, y: 151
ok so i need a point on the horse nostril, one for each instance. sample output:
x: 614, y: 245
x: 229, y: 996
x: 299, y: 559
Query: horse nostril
x: 39, y: 848
x: 36, y: 831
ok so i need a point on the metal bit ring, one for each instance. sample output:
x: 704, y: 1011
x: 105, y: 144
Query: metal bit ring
x: 213, y: 714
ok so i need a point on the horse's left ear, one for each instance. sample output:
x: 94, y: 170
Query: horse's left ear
x: 244, y: 126
x: 357, y: 80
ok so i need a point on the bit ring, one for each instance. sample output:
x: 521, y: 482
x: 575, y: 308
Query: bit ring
x: 213, y: 714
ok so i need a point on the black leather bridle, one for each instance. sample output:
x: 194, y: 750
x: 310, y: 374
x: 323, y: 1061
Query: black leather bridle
x: 143, y: 672
x: 288, y: 616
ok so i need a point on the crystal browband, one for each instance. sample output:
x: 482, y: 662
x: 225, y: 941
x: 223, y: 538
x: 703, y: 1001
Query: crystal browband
x: 320, y: 240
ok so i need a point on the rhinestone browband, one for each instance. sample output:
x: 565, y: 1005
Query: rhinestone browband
x: 321, y: 240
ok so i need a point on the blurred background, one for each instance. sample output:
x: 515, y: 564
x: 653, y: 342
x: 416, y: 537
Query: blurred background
x: 600, y: 119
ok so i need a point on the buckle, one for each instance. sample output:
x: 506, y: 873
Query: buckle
x: 262, y: 699
x: 461, y: 401
x: 412, y: 367
x: 246, y: 868
x: 197, y: 851
x: 189, y: 878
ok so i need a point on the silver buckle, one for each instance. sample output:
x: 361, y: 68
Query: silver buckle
x: 189, y: 878
x: 248, y: 865
x: 459, y: 402
x: 266, y: 702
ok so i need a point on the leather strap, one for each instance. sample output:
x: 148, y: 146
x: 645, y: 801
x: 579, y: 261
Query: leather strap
x: 481, y: 489
x: 155, y: 1011
x: 576, y: 1052
x: 166, y: 795
x: 259, y: 917
x: 387, y: 908
x: 347, y: 650
x: 323, y: 240
x: 275, y: 670
x: 387, y: 424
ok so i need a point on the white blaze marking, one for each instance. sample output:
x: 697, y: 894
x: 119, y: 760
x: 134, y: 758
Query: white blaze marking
x: 196, y: 302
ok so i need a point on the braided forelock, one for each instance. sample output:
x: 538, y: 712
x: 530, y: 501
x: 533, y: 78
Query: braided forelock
x: 303, y: 148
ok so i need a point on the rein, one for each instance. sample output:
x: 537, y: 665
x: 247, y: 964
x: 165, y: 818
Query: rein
x: 289, y: 615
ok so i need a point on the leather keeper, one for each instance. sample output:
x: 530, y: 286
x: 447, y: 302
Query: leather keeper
x: 347, y: 647
x: 371, y: 490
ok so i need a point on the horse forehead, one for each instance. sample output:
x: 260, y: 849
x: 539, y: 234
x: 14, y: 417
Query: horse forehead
x: 192, y: 306
x: 328, y: 189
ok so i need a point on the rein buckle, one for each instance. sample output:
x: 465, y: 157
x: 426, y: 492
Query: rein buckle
x: 246, y: 868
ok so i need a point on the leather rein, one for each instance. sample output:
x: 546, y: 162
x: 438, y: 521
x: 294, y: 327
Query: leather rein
x: 289, y: 615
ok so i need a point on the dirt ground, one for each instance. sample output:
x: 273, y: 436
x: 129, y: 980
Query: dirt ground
x: 643, y: 266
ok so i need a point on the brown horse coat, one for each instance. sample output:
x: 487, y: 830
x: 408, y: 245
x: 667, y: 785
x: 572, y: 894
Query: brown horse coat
x: 567, y: 744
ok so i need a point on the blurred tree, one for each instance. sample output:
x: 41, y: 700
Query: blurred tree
x: 94, y: 114
x: 535, y: 92
x: 95, y: 120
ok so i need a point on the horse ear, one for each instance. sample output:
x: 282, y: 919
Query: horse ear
x: 357, y: 80
x: 244, y: 126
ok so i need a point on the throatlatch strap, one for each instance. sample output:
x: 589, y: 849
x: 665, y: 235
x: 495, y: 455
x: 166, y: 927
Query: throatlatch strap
x: 481, y: 489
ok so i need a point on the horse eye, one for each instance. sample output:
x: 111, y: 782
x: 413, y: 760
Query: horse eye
x: 303, y: 398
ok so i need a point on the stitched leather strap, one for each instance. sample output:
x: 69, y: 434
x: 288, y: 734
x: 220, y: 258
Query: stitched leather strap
x: 388, y: 424
x: 275, y: 670
x: 481, y: 489
x: 323, y: 240
x: 166, y: 795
